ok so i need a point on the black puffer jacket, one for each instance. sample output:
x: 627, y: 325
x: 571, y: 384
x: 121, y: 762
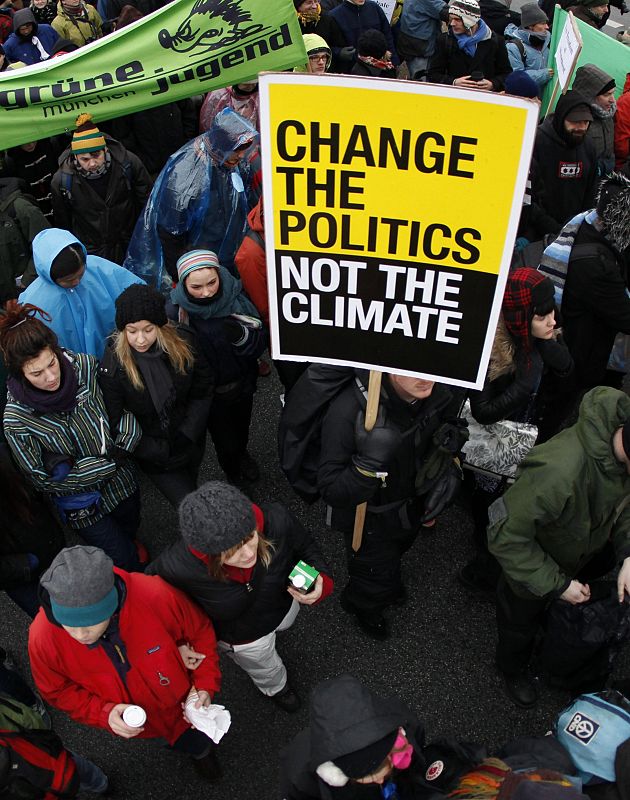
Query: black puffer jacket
x: 245, y: 612
x: 103, y: 223
x: 160, y: 450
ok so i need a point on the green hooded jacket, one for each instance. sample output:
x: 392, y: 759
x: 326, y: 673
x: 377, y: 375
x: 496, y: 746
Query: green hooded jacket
x: 564, y: 505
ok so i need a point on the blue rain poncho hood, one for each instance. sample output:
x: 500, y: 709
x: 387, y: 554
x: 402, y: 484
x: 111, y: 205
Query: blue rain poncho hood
x: 82, y: 317
x: 197, y: 197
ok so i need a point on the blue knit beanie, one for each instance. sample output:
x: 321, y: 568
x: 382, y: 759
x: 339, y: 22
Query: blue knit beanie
x: 521, y: 85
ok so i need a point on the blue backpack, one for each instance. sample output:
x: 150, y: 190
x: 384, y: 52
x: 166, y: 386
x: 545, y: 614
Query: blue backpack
x: 591, y: 729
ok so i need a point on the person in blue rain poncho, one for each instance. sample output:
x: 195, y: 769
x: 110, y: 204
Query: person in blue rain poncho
x: 77, y: 290
x: 200, y: 200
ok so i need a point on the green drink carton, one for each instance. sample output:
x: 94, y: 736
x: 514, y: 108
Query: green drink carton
x: 302, y: 577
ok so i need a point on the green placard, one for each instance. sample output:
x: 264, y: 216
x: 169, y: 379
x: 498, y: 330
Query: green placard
x: 189, y: 47
x: 597, y: 48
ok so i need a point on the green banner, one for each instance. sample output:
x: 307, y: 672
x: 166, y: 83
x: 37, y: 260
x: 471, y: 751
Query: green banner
x: 189, y: 47
x: 597, y: 48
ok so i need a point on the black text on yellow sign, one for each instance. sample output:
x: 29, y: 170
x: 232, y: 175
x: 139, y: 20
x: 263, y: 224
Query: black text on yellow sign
x: 388, y: 222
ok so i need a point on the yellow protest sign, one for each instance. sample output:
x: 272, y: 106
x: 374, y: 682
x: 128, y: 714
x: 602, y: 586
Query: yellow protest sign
x: 391, y: 209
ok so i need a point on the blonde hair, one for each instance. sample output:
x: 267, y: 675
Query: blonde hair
x: 168, y: 339
x: 264, y: 554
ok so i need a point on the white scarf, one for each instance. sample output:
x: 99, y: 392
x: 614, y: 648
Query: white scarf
x: 42, y: 53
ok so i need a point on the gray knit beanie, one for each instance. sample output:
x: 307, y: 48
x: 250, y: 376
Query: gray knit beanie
x: 531, y: 14
x: 80, y: 583
x: 215, y: 518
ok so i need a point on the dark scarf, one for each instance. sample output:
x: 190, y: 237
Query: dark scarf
x: 62, y: 400
x: 230, y: 299
x: 158, y: 380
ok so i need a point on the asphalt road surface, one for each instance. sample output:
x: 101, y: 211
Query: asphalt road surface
x: 439, y: 659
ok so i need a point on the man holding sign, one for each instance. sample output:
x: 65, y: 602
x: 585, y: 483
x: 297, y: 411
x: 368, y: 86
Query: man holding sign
x: 406, y: 468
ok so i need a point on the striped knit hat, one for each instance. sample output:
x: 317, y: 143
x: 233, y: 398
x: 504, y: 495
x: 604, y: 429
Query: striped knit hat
x: 87, y: 138
x: 196, y: 259
x: 467, y: 10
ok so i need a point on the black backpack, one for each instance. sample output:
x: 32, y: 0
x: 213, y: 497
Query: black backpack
x: 581, y: 641
x: 34, y: 764
x: 299, y: 430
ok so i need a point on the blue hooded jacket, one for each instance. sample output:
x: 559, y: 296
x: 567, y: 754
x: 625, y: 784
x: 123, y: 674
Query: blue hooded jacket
x: 82, y: 317
x: 198, y: 199
x: 21, y: 48
x: 535, y: 63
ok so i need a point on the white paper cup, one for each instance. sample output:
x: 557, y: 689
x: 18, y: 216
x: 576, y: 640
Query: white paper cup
x: 134, y: 716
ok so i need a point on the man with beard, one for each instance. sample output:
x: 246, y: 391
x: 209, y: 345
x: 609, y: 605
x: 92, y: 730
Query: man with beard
x: 593, y: 12
x: 567, y: 162
x: 599, y: 87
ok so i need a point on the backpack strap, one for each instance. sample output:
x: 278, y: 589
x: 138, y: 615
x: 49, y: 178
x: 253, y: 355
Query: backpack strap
x: 127, y: 174
x: 65, y: 186
x: 520, y: 47
x: 256, y: 237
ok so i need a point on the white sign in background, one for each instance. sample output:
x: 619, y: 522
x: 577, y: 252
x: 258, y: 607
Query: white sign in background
x: 388, y: 7
x: 569, y: 46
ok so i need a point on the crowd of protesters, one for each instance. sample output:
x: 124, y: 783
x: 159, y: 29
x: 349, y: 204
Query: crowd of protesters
x: 134, y: 323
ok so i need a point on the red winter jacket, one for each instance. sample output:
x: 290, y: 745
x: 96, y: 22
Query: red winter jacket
x: 251, y: 264
x: 622, y: 126
x: 154, y: 619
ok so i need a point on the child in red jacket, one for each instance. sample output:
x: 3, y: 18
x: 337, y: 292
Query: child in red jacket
x: 95, y: 624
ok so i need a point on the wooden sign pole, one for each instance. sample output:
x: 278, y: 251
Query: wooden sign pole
x: 371, y: 411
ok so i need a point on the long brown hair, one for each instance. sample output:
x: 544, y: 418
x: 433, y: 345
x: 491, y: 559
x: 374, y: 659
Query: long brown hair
x: 178, y: 351
x: 264, y: 554
x: 23, y: 337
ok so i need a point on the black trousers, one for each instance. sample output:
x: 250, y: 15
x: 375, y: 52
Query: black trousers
x: 374, y: 572
x: 178, y: 483
x: 519, y: 618
x: 228, y: 425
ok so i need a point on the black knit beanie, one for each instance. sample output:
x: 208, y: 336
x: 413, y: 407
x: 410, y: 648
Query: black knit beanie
x: 140, y: 301
x: 67, y: 262
x: 372, y: 43
x: 215, y: 518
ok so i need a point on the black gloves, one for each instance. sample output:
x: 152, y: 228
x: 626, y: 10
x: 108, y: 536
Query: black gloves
x: 235, y: 332
x: 375, y: 448
x: 443, y: 493
x: 347, y: 54
x: 118, y: 455
x: 555, y: 356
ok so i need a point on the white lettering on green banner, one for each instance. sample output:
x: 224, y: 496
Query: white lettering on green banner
x: 189, y: 47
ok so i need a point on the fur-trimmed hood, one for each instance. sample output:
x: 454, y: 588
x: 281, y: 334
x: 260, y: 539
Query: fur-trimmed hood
x: 502, y: 355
